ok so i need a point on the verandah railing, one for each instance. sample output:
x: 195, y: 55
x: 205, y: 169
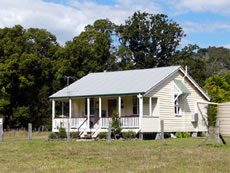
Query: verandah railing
x: 75, y: 122
x: 126, y: 121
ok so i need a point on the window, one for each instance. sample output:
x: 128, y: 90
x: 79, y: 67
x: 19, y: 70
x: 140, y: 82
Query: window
x: 177, y: 101
x: 92, y: 106
x: 135, y: 105
x: 177, y: 104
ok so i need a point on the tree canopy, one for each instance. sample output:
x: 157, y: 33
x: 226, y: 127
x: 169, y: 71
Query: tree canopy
x: 218, y: 87
x: 152, y: 39
x: 26, y: 75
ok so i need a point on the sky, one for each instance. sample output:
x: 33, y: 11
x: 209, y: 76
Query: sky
x: 205, y: 22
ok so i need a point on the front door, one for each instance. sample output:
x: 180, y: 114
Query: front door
x: 112, y: 106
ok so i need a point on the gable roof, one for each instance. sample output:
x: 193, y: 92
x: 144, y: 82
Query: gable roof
x: 127, y: 82
x: 195, y: 84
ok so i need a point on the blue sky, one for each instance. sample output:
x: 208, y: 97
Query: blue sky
x: 205, y: 22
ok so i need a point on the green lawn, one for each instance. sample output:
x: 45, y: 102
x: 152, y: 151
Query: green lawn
x: 177, y: 155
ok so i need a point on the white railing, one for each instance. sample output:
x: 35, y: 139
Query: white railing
x: 75, y: 122
x: 126, y: 122
x: 129, y: 122
x: 80, y: 123
x: 105, y: 122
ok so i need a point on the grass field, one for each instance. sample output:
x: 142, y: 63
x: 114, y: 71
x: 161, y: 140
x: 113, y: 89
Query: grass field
x: 177, y: 155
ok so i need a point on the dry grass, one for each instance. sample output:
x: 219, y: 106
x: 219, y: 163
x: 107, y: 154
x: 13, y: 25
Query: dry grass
x: 22, y: 134
x: 177, y: 155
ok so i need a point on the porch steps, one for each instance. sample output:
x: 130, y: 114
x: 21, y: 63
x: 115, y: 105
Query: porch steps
x: 83, y: 134
x: 96, y: 133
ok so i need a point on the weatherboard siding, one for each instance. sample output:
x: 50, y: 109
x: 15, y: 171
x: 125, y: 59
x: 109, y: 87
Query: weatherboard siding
x: 78, y: 107
x: 165, y: 94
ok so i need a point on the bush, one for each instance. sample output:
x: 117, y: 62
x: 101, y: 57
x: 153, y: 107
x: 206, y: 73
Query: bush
x: 182, y: 135
x: 74, y: 134
x: 116, y: 125
x: 129, y: 135
x: 62, y: 133
x: 103, y: 135
x: 212, y: 114
x: 52, y: 135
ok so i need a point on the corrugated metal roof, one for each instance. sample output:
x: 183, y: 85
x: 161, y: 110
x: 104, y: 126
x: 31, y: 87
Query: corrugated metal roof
x: 116, y: 83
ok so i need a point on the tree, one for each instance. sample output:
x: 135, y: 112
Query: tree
x: 91, y: 51
x: 218, y: 88
x: 26, y: 75
x: 152, y: 39
x: 218, y: 60
x: 197, y: 67
x: 212, y: 113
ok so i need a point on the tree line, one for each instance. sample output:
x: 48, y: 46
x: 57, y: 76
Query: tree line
x: 33, y: 63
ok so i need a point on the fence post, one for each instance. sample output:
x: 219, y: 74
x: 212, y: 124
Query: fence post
x: 68, y: 132
x: 29, y: 132
x: 109, y: 131
x: 1, y: 132
x: 162, y: 132
x: 1, y: 129
x: 217, y: 131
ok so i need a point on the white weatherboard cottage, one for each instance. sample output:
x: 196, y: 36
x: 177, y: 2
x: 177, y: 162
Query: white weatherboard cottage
x: 141, y: 97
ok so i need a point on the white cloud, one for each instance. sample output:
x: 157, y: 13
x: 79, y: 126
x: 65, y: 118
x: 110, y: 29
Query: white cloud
x: 227, y: 46
x: 217, y: 6
x: 190, y: 27
x: 67, y: 21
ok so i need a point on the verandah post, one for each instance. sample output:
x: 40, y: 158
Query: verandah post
x: 88, y: 111
x: 53, y: 114
x: 119, y: 106
x: 69, y: 120
x: 100, y: 109
x: 150, y: 106
x: 140, y: 109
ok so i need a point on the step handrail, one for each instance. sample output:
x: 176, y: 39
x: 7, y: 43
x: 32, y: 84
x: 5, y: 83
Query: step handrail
x: 80, y: 127
x: 95, y: 122
x: 82, y: 123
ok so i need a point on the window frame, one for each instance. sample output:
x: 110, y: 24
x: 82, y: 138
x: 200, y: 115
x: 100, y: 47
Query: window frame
x: 177, y: 101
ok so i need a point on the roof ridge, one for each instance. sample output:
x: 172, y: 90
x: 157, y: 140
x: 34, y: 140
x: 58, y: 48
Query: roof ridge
x: 135, y: 69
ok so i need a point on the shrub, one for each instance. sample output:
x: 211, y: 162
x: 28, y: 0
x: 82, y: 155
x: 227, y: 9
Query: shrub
x: 212, y: 114
x: 74, y: 134
x: 52, y: 135
x: 116, y: 124
x: 182, y: 135
x: 129, y: 135
x: 103, y: 135
x: 62, y: 133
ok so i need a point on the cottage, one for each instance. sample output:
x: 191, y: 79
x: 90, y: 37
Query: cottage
x: 141, y: 97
